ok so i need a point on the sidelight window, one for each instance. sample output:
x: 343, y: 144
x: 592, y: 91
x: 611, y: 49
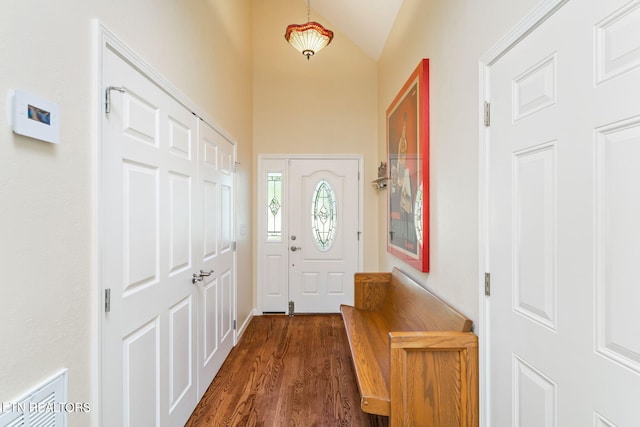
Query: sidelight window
x: 274, y: 206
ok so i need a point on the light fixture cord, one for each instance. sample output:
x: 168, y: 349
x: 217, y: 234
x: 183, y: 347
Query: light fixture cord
x: 308, y: 10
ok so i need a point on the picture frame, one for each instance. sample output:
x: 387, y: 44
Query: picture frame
x: 407, y: 120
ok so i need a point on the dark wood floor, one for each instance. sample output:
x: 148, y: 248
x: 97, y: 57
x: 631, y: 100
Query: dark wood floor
x: 286, y: 371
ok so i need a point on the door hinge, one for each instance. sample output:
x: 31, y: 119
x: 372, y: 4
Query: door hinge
x: 107, y: 300
x: 487, y: 284
x: 234, y: 324
x: 359, y: 233
x: 235, y: 166
x: 234, y: 246
x: 107, y: 97
x: 292, y: 308
x: 487, y: 113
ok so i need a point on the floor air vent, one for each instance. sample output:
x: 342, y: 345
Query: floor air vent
x: 42, y: 407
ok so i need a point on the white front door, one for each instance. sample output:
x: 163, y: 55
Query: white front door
x: 309, y: 244
x: 323, y: 233
x: 564, y: 235
x: 166, y: 210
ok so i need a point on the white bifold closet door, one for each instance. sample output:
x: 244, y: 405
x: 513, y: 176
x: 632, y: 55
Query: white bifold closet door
x: 166, y: 213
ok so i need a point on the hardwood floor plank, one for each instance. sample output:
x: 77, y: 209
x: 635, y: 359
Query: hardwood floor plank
x: 286, y: 371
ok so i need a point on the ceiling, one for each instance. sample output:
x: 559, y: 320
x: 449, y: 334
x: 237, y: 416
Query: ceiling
x: 366, y: 22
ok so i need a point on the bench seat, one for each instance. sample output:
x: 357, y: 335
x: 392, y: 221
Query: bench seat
x: 369, y: 344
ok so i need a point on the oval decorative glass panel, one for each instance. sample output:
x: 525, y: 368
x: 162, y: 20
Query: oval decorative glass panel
x: 323, y: 215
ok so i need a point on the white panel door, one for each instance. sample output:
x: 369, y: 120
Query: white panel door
x: 564, y: 234
x: 215, y: 254
x: 323, y: 233
x: 149, y: 163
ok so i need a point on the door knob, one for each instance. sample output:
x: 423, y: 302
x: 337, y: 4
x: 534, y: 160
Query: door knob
x: 199, y: 277
x: 295, y: 248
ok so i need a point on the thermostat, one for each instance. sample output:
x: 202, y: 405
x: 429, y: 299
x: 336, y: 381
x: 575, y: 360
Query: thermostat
x: 35, y: 117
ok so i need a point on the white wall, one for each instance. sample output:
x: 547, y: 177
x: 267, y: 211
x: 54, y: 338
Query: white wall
x: 453, y: 35
x: 49, y: 298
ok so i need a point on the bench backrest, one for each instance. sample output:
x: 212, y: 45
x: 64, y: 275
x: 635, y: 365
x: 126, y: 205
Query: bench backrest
x: 410, y: 307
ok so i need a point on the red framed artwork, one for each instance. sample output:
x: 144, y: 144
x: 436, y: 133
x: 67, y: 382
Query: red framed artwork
x: 408, y: 160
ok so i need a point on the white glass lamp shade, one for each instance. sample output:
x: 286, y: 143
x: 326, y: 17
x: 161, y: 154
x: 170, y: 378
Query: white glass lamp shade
x: 308, y: 38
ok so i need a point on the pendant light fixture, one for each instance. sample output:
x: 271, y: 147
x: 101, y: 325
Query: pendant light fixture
x: 308, y: 38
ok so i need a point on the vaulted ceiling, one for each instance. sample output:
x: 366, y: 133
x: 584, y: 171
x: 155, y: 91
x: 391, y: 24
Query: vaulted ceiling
x: 366, y: 22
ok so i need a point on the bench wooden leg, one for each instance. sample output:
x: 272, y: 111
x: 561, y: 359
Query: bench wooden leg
x: 434, y: 379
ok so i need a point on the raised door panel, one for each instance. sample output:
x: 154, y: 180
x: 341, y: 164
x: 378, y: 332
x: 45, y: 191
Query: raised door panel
x: 534, y: 234
x: 141, y: 376
x: 209, y: 321
x: 617, y: 208
x: 141, y: 227
x: 181, y: 339
x: 226, y: 308
x: 181, y: 223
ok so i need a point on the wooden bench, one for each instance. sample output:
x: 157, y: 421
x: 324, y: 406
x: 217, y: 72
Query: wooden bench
x: 415, y: 359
